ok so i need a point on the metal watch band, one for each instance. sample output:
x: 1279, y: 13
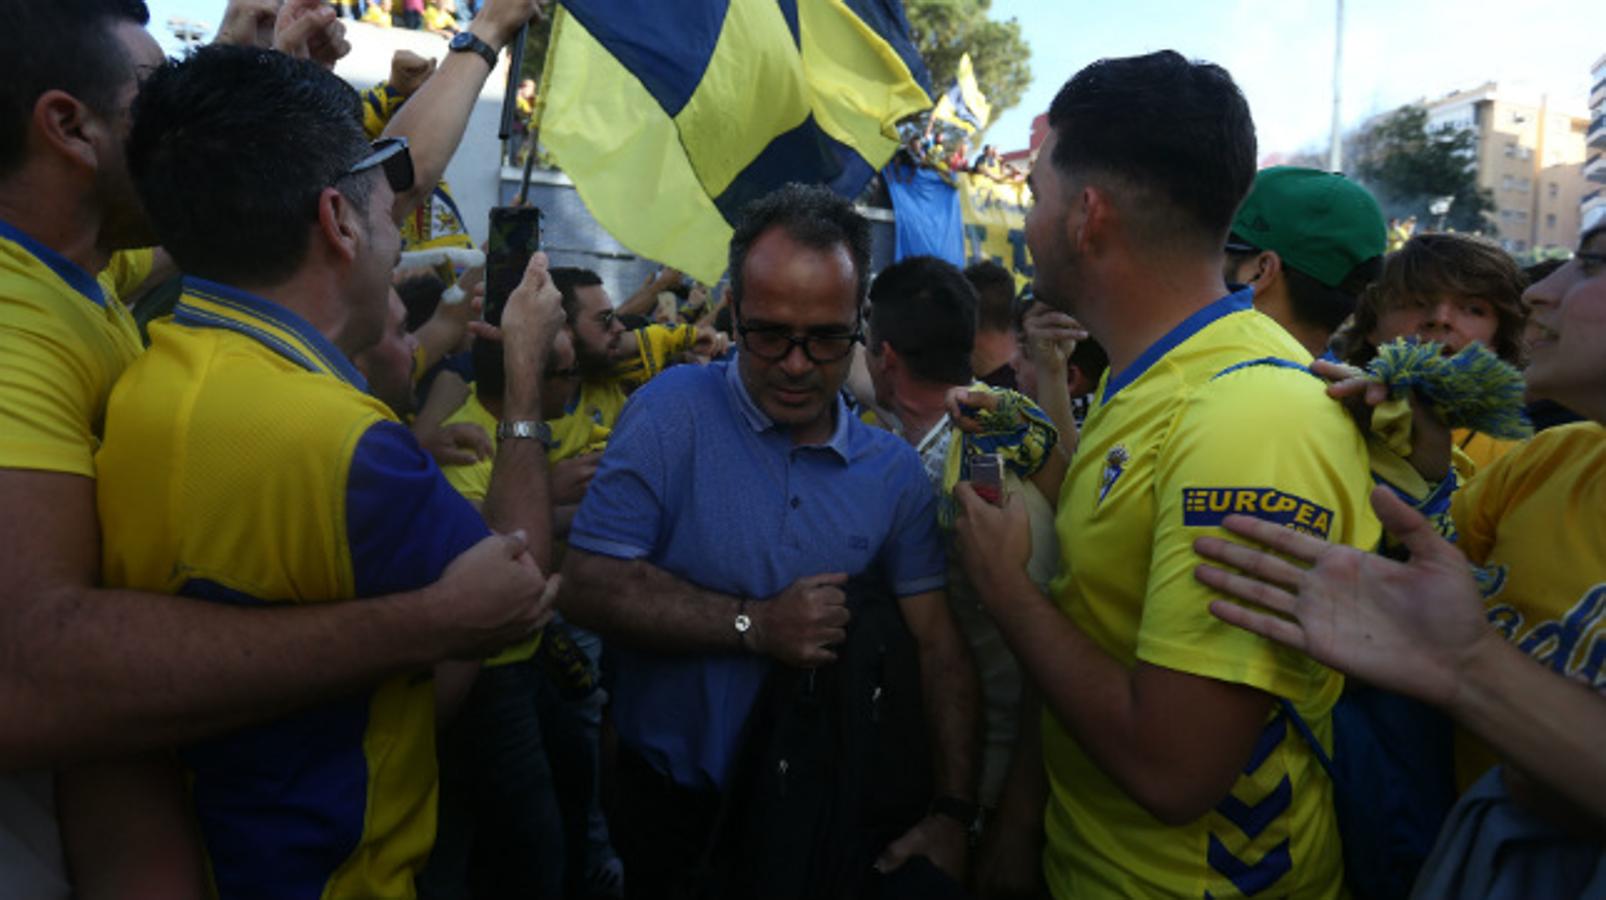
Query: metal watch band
x: 525, y: 429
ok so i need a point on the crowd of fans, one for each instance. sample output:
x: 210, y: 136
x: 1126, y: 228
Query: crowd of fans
x: 344, y: 579
x: 946, y: 149
x: 442, y: 17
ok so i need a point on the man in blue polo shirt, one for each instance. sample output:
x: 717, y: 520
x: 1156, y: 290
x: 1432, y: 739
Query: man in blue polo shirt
x: 730, y: 507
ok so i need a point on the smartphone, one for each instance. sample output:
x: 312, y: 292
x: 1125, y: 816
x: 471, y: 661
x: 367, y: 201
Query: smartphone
x: 515, y: 237
x: 987, y: 477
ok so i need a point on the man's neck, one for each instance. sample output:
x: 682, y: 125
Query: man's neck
x: 992, y: 349
x: 312, y: 295
x: 919, y: 406
x: 1142, y: 304
x: 1277, y: 305
x: 67, y: 224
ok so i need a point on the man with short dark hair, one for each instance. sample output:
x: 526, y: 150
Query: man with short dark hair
x: 732, y: 504
x: 922, y: 316
x: 991, y: 360
x: 1308, y: 242
x: 1172, y: 768
x: 246, y: 434
x: 94, y: 671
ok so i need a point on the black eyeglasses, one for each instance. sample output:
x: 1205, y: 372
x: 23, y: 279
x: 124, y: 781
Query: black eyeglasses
x: 774, y: 343
x: 392, y: 153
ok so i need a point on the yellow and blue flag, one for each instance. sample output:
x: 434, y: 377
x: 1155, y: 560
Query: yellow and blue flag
x: 964, y: 104
x: 670, y: 117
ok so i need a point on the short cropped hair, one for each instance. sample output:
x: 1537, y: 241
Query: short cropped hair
x: 995, y: 293
x: 230, y: 150
x: 811, y: 215
x: 1176, y: 134
x: 1430, y: 266
x: 568, y: 279
x: 926, y: 309
x: 64, y: 45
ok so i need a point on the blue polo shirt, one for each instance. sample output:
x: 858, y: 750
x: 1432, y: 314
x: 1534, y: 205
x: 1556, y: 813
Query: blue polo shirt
x: 698, y: 481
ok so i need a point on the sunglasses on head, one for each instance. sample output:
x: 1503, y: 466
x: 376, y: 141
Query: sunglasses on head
x: 393, y: 155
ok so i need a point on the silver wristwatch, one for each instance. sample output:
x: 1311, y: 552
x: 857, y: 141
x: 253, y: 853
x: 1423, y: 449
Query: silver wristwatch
x: 525, y: 429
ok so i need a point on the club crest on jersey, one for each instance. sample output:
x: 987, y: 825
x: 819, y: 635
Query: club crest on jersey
x: 1114, y: 464
x: 1206, y: 507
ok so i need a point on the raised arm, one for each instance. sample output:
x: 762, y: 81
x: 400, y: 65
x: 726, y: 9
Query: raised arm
x: 433, y: 120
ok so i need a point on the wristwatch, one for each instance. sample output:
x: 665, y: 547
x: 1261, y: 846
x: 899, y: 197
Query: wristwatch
x: 966, y: 812
x: 743, y: 623
x: 465, y: 41
x: 525, y: 429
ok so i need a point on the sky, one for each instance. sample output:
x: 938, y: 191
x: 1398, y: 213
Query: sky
x: 1280, y: 51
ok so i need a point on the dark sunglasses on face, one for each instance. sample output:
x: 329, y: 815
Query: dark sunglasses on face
x: 393, y: 155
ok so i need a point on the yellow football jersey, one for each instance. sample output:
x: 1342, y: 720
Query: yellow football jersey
x: 473, y: 481
x: 65, y: 337
x: 655, y: 345
x: 1215, y: 418
x: 244, y: 464
x: 1481, y: 449
x: 585, y: 426
x: 1534, y: 523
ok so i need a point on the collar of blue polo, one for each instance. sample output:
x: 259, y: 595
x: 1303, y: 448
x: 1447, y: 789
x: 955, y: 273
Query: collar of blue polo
x: 840, y: 441
x: 67, y: 270
x: 207, y: 304
x: 1237, y: 301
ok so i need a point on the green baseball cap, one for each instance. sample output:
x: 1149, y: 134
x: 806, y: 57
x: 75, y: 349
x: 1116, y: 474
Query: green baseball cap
x: 1319, y: 223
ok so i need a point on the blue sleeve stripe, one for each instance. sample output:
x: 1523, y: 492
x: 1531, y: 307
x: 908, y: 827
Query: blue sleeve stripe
x: 404, y: 522
x: 605, y: 547
x: 920, y: 585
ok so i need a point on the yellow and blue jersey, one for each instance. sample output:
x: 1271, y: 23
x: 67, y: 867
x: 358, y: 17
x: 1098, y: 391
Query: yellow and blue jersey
x: 243, y: 463
x: 65, y: 337
x: 1534, y: 522
x: 1174, y: 443
x: 586, y: 424
x: 655, y: 345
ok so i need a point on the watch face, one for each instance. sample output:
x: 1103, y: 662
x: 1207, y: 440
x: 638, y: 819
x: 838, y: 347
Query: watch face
x: 459, y: 40
x: 743, y: 623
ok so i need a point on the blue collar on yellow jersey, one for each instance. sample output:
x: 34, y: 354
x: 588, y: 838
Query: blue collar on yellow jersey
x: 69, y: 271
x: 841, y: 440
x: 1237, y: 301
x: 207, y: 304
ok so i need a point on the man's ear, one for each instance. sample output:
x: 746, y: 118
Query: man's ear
x: 339, y: 224
x: 1268, y: 269
x: 888, y: 357
x: 1089, y: 220
x: 68, y: 127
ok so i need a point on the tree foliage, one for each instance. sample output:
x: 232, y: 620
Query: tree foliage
x: 945, y: 30
x: 1407, y: 167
